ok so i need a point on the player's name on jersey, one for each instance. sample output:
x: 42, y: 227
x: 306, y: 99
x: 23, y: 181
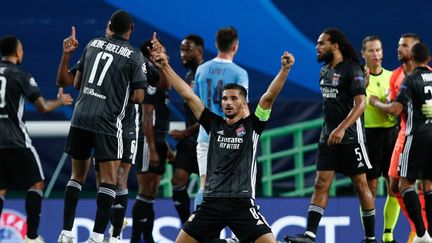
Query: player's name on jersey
x: 427, y: 77
x: 2, y: 70
x: 121, y: 50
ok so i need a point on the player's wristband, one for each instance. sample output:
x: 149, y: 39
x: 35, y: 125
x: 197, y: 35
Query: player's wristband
x: 263, y: 115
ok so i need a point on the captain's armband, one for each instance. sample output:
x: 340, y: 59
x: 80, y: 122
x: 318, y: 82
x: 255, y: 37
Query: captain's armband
x: 263, y: 115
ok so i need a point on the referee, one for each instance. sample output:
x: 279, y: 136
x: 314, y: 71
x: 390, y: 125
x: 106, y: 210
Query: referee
x: 19, y: 163
x: 381, y: 131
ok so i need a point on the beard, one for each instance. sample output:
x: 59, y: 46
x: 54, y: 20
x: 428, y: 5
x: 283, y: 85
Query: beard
x: 404, y: 59
x: 230, y: 116
x: 325, y: 57
x: 190, y: 63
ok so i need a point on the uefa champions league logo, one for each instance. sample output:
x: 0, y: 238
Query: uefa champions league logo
x: 13, y: 227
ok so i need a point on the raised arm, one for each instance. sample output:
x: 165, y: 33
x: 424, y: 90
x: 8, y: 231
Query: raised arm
x: 64, y: 77
x: 184, y: 90
x: 266, y: 101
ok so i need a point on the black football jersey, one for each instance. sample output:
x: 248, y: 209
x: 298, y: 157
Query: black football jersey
x: 111, y: 68
x: 15, y: 86
x: 339, y: 86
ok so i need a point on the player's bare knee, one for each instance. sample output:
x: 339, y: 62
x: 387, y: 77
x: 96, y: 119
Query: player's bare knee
x: 178, y: 181
x: 121, y: 185
x: 78, y: 177
x: 322, y: 184
x: 361, y: 187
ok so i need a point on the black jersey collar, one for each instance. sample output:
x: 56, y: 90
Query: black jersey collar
x: 8, y: 62
x: 377, y: 74
x: 118, y: 37
x: 421, y: 68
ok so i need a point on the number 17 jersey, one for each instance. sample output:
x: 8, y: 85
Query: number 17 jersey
x: 210, y: 78
x: 111, y: 68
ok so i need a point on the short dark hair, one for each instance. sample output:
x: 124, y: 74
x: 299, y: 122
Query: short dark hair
x: 8, y: 45
x: 243, y: 91
x: 225, y: 38
x: 144, y: 47
x: 370, y: 38
x: 420, y: 52
x: 195, y: 39
x: 121, y: 22
x: 412, y: 35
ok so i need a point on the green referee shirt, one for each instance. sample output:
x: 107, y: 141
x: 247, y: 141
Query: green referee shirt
x: 378, y: 86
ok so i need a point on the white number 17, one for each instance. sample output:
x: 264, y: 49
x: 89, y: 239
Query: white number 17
x: 100, y: 55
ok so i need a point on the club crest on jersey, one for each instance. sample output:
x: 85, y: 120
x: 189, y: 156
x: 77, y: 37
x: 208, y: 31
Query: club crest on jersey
x: 335, y: 79
x: 241, y: 131
x: 13, y: 226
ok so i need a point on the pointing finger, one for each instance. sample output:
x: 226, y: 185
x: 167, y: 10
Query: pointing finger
x: 73, y: 32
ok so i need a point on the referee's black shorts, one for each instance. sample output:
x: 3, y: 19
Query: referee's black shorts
x: 241, y: 215
x: 380, y: 145
x: 20, y: 167
x: 186, y: 156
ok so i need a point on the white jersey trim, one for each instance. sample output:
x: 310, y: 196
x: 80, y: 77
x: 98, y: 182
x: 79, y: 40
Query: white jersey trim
x: 217, y: 59
x: 360, y: 139
x: 255, y: 139
x: 409, y: 120
x: 119, y: 125
x: 403, y: 160
x: 28, y: 142
x: 135, y: 142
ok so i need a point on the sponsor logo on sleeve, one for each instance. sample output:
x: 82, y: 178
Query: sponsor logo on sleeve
x: 32, y: 82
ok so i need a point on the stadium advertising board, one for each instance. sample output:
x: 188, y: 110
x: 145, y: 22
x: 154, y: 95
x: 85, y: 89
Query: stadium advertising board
x: 341, y: 221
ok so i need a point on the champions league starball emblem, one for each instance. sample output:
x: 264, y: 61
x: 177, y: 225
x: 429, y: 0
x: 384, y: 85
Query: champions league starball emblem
x: 13, y: 227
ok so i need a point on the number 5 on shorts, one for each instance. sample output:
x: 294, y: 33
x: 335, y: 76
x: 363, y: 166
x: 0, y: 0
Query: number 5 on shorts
x: 358, y: 153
